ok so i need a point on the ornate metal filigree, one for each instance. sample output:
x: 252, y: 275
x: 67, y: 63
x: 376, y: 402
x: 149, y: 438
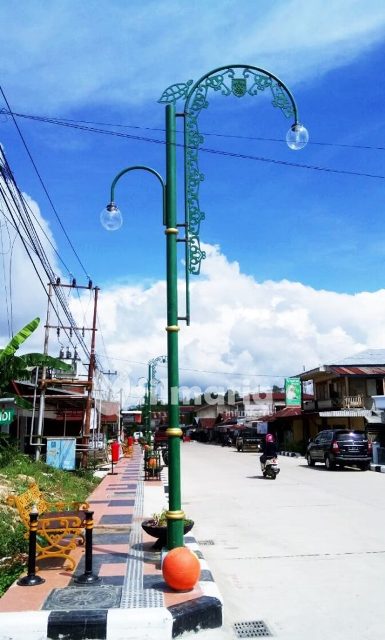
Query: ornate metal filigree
x: 236, y: 80
x: 175, y: 92
x: 153, y: 380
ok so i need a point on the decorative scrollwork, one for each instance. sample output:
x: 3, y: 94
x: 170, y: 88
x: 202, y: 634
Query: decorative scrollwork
x: 236, y: 80
x: 153, y: 382
x: 175, y: 92
x: 196, y: 254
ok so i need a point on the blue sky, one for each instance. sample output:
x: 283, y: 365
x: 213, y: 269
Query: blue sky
x: 109, y: 62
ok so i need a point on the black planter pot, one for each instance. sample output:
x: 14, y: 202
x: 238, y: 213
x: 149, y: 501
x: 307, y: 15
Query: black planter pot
x: 161, y: 532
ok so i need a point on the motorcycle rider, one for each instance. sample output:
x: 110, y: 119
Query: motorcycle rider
x: 269, y: 449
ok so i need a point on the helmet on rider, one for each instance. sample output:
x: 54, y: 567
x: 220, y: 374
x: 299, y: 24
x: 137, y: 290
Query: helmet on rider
x: 269, y: 437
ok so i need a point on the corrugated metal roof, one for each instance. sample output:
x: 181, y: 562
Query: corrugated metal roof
x: 358, y: 370
x: 368, y: 358
x: 287, y: 412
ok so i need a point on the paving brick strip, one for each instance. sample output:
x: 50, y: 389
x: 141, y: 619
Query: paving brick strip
x: 132, y: 600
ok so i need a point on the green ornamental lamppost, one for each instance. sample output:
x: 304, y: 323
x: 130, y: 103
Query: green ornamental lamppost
x: 151, y: 381
x: 239, y: 81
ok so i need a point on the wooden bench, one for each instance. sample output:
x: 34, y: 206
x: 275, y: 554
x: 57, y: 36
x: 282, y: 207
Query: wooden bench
x: 60, y: 524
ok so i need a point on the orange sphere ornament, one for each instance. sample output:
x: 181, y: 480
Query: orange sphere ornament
x: 181, y: 569
x: 152, y: 463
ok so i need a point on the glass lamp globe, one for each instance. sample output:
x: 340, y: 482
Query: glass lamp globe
x: 297, y: 137
x: 111, y: 217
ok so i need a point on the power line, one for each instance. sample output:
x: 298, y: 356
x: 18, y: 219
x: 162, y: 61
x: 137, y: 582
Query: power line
x: 42, y: 183
x: 57, y: 120
x: 225, y: 373
x: 231, y: 154
x: 17, y: 208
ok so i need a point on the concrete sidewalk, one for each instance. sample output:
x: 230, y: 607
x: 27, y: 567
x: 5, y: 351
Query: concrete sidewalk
x: 132, y: 600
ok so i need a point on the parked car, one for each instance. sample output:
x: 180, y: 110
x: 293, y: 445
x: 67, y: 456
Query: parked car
x: 248, y: 439
x: 340, y: 446
x: 160, y: 437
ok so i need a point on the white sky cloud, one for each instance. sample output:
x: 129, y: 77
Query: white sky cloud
x: 239, y: 326
x: 295, y: 39
x: 250, y: 333
x: 23, y: 296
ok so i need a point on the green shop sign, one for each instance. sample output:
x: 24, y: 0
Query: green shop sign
x: 293, y: 392
x: 7, y: 415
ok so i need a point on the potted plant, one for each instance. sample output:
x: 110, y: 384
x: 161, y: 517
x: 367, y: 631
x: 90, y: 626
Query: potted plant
x: 156, y: 526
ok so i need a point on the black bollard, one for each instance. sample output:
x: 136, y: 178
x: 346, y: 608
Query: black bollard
x: 31, y: 579
x: 112, y: 472
x: 88, y: 576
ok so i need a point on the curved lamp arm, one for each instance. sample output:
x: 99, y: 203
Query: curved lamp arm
x: 140, y: 167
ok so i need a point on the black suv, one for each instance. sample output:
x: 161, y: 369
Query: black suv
x: 248, y: 439
x: 340, y: 446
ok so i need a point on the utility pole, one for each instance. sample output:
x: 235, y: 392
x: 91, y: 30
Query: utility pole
x: 91, y: 369
x: 44, y: 371
x: 63, y: 381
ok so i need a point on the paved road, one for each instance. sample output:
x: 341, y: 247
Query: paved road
x: 304, y: 553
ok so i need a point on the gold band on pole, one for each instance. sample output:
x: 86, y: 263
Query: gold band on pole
x: 175, y: 515
x: 173, y: 327
x: 174, y: 431
x: 171, y: 230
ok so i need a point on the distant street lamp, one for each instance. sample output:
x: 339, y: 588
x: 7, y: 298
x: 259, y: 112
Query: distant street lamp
x: 236, y: 80
x: 151, y: 381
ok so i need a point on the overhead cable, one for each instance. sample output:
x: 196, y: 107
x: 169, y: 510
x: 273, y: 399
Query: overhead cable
x: 42, y: 183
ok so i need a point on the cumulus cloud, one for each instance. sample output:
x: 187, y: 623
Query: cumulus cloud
x: 244, y: 334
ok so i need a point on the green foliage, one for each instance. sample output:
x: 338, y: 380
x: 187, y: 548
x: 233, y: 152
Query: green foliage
x: 8, y: 576
x: 12, y: 545
x: 160, y: 519
x: 16, y: 469
x: 14, y: 367
x: 7, y: 451
x: 18, y: 339
x: 12, y: 541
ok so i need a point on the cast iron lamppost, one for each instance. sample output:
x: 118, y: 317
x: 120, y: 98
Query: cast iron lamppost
x: 151, y: 381
x: 236, y: 80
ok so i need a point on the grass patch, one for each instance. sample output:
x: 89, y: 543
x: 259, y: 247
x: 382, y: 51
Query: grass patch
x: 9, y: 575
x: 16, y: 469
x: 56, y: 484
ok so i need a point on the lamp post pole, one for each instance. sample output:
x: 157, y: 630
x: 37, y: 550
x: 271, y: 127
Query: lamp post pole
x: 151, y: 380
x: 148, y: 403
x: 175, y: 515
x: 237, y: 80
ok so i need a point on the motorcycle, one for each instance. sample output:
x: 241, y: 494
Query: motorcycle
x: 270, y: 468
x: 164, y: 450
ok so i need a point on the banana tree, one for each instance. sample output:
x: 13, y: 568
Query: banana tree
x: 14, y: 367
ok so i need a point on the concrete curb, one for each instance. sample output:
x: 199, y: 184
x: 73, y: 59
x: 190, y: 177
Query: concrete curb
x: 204, y: 612
x: 377, y: 467
x: 162, y: 623
x: 114, y: 624
x: 291, y: 454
